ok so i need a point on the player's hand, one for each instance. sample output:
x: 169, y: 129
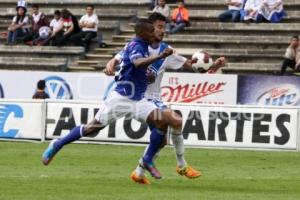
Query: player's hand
x: 220, y: 62
x: 109, y: 69
x: 167, y: 52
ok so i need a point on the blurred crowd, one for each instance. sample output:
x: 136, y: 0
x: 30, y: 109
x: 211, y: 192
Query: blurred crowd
x: 63, y: 28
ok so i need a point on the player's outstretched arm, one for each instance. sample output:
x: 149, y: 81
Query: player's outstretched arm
x: 145, y: 62
x: 220, y: 62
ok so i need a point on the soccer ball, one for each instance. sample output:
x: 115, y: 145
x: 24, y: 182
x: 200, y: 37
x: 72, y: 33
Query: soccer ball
x: 44, y: 32
x: 204, y: 61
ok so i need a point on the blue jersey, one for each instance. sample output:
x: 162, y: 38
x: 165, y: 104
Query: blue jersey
x: 132, y: 81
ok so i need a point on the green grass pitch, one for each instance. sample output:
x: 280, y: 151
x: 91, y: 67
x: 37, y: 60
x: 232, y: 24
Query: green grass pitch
x: 100, y: 172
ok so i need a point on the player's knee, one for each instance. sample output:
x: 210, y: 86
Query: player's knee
x: 162, y: 125
x: 176, y: 124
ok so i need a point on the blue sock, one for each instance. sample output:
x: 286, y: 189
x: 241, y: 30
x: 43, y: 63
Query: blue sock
x: 74, y: 135
x: 156, y: 139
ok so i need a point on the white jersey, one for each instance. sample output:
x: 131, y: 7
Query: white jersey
x: 174, y: 62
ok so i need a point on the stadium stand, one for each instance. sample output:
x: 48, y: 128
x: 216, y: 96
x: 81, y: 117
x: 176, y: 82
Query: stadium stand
x: 249, y: 48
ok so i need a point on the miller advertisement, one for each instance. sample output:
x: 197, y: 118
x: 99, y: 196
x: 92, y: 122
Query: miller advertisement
x: 269, y: 90
x: 213, y: 89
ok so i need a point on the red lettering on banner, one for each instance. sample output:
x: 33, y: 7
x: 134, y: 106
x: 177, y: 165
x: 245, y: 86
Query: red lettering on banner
x: 278, y: 92
x: 189, y: 93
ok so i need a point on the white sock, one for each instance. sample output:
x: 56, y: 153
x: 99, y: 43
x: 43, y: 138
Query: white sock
x: 177, y: 140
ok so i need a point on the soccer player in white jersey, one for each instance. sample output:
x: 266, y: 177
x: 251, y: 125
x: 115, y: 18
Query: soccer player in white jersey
x: 155, y: 75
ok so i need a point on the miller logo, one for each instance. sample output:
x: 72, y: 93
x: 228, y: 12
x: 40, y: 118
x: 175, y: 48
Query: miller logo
x: 58, y: 88
x: 187, y: 93
x: 284, y: 95
x: 1, y: 92
x: 8, y: 111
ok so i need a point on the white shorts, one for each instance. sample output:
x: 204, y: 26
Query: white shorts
x: 117, y: 106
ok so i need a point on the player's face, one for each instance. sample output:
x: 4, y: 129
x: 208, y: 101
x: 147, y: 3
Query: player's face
x: 149, y: 34
x: 159, y: 30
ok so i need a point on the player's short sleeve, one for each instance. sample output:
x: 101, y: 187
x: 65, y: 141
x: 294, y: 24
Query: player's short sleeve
x: 136, y: 52
x: 175, y: 62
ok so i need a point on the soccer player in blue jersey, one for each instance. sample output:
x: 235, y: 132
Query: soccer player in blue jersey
x: 128, y: 96
x: 155, y: 75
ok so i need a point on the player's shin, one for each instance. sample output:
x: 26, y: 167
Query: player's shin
x: 157, y: 137
x: 177, y: 140
x: 75, y: 134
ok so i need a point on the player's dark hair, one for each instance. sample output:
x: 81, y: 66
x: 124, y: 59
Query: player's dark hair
x: 57, y: 12
x: 35, y: 6
x: 91, y: 6
x: 157, y: 17
x: 142, y: 25
x: 182, y: 1
x: 295, y: 37
x: 41, y: 85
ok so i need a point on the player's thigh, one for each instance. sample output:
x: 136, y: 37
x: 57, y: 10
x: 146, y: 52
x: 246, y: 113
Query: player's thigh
x: 162, y: 119
x: 143, y: 109
x: 172, y: 118
x: 113, y: 108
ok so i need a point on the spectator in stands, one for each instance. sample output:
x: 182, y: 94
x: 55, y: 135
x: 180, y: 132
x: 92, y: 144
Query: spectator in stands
x: 40, y: 91
x: 63, y: 34
x: 251, y: 10
x: 291, y: 57
x: 233, y: 12
x: 19, y: 26
x: 272, y: 11
x: 38, y: 20
x: 180, y: 18
x: 162, y: 8
x: 89, y: 27
x: 56, y: 22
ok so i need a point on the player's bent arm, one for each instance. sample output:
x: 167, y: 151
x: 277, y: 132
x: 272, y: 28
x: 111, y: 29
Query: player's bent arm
x: 145, y: 62
x: 187, y: 66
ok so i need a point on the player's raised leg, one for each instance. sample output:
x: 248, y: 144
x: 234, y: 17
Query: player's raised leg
x: 76, y: 133
x: 109, y: 111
